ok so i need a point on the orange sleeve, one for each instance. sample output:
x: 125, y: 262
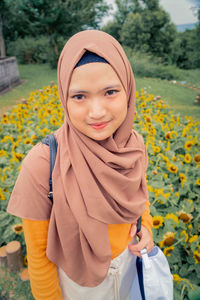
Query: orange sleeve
x: 42, y: 272
x: 119, y: 233
x: 147, y: 218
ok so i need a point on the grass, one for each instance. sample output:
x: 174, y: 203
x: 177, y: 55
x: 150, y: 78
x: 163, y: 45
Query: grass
x: 179, y: 97
x: 12, y: 287
x: 35, y: 76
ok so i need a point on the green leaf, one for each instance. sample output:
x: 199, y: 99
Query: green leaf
x: 194, y: 294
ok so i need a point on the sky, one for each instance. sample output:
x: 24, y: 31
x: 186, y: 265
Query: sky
x: 180, y: 10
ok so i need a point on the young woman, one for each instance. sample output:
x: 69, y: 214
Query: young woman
x: 83, y: 246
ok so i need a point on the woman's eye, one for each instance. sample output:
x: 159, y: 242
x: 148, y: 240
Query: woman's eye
x: 111, y: 92
x: 78, y: 97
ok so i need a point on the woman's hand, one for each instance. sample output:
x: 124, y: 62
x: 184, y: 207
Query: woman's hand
x: 146, y: 241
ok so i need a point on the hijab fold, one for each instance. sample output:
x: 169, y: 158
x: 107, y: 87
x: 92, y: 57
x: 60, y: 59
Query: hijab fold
x: 95, y: 183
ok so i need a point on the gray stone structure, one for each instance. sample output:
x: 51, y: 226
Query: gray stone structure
x: 9, y: 74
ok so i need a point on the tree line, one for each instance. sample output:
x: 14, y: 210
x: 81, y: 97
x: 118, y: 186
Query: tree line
x: 36, y: 30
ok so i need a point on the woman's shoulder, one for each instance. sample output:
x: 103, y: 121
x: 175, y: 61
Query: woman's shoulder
x: 29, y: 198
x: 38, y: 154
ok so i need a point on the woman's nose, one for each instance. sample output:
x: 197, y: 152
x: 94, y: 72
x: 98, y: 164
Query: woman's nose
x: 97, y: 110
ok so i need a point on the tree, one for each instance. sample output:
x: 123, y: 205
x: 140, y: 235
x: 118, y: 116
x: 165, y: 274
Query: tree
x: 55, y: 19
x: 149, y: 29
x: 124, y: 7
x: 186, y: 47
x: 144, y: 26
x: 48, y: 17
x: 3, y: 9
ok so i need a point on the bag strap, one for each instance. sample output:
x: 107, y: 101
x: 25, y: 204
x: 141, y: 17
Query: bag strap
x: 50, y: 141
x: 140, y: 276
x: 139, y: 224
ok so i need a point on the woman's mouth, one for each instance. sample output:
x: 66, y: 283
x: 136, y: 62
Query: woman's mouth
x: 99, y: 125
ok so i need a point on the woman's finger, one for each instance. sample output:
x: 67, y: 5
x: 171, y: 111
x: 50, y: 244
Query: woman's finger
x: 133, y: 230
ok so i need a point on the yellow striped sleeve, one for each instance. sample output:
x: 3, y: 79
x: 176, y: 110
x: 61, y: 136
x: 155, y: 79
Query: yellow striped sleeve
x: 42, y: 272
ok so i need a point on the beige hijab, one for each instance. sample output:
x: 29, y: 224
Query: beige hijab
x: 94, y: 183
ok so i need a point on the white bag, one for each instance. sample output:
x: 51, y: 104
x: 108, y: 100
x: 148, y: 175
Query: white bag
x: 154, y: 280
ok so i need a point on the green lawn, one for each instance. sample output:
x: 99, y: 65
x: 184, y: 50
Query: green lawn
x: 180, y: 98
x: 35, y: 76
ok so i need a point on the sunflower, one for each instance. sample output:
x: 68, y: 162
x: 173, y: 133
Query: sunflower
x: 177, y: 278
x: 148, y: 119
x: 196, y: 255
x: 188, y: 158
x: 156, y: 149
x: 168, y: 135
x: 157, y: 221
x: 190, y: 227
x: 5, y: 120
x: 7, y: 138
x: 45, y: 131
x: 143, y: 105
x: 184, y: 132
x: 34, y: 137
x: 193, y: 239
x: 168, y: 146
x: 198, y: 182
x: 17, y: 228
x: 165, y: 158
x: 2, y: 197
x: 172, y: 168
x: 27, y: 141
x: 183, y: 232
x: 18, y: 156
x: 188, y: 145
x: 182, y: 177
x: 3, y: 153
x: 172, y: 217
x: 150, y: 188
x: 168, y: 239
x: 53, y: 120
x: 185, y: 217
x: 197, y: 158
x: 168, y: 250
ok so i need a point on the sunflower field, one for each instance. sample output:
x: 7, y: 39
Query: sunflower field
x: 173, y: 175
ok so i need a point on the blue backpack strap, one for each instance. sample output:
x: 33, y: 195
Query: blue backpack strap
x: 140, y: 276
x: 139, y: 224
x: 50, y: 141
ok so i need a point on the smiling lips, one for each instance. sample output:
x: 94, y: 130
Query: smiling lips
x: 98, y: 125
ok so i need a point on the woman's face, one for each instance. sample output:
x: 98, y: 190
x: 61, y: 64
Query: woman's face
x: 97, y: 102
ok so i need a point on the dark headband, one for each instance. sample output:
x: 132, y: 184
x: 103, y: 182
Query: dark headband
x: 90, y: 57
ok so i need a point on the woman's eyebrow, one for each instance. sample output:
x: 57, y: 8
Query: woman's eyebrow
x: 86, y: 92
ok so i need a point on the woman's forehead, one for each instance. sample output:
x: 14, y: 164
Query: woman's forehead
x: 93, y: 74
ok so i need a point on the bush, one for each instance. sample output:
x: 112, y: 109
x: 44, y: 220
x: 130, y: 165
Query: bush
x: 30, y: 50
x: 145, y: 65
x: 55, y: 50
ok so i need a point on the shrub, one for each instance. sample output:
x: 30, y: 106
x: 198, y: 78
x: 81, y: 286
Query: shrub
x: 30, y: 50
x: 145, y: 65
